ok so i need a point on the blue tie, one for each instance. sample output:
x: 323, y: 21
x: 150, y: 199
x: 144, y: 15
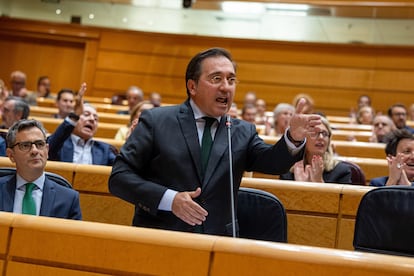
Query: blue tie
x: 29, y: 205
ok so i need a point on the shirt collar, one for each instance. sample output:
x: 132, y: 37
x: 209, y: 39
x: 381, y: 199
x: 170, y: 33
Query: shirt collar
x: 198, y: 114
x: 79, y: 141
x: 20, y: 181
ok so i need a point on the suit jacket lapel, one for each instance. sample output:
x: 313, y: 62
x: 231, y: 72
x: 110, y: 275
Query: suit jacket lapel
x: 67, y: 151
x: 8, y: 192
x: 48, y: 199
x: 189, y: 131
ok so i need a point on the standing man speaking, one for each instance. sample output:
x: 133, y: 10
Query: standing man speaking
x: 174, y: 180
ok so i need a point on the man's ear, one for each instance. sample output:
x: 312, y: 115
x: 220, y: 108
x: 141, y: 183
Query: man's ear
x: 19, y: 114
x: 192, y: 87
x: 10, y: 154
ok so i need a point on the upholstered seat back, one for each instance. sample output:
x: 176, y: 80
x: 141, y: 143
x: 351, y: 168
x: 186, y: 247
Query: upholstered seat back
x: 385, y: 221
x: 261, y: 216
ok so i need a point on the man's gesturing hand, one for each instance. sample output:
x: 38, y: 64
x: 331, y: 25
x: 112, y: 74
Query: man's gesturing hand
x: 301, y: 124
x: 185, y: 208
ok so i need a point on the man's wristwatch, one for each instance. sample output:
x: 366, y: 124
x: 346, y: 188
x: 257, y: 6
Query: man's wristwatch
x: 73, y: 117
x: 295, y: 142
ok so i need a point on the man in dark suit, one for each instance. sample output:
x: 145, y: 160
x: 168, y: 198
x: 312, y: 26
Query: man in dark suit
x: 27, y: 148
x: 73, y: 139
x: 159, y: 169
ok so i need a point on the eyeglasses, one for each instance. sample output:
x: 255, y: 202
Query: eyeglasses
x: 27, y: 145
x: 216, y: 79
x: 317, y: 134
x: 399, y: 114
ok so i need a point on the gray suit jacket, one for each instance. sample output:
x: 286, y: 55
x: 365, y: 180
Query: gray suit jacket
x: 164, y: 153
x: 57, y: 201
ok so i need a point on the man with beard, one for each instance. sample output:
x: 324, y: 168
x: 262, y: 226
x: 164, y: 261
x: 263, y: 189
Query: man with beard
x: 73, y: 139
x: 398, y: 114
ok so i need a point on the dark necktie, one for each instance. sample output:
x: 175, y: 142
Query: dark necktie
x: 29, y: 205
x: 206, y: 142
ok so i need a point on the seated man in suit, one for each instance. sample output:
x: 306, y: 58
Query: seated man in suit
x: 30, y: 191
x: 73, y: 139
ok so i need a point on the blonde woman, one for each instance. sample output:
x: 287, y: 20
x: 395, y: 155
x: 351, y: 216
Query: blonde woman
x: 319, y: 163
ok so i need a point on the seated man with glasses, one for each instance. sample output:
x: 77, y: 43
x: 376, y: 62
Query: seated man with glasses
x: 398, y: 114
x: 319, y: 163
x: 29, y: 190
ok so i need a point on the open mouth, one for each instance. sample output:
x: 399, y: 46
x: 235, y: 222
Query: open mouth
x: 222, y: 100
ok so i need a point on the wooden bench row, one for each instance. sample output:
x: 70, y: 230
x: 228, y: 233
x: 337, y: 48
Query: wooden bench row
x: 348, y: 148
x: 31, y: 245
x: 318, y: 214
x: 104, y: 117
x: 100, y: 107
x: 105, y: 130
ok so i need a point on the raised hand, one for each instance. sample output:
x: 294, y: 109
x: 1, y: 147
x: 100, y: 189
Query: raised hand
x: 396, y: 170
x: 79, y: 99
x: 316, y: 169
x: 301, y: 124
x: 300, y: 172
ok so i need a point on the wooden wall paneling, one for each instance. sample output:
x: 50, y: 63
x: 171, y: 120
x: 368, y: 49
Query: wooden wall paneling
x: 334, y: 74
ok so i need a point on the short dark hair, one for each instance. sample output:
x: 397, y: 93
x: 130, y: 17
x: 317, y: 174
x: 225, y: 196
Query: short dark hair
x: 393, y: 106
x: 193, y: 71
x: 19, y: 106
x: 393, y: 138
x: 22, y: 125
x: 63, y: 91
x: 41, y: 78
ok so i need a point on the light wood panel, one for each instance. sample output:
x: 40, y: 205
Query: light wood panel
x: 110, y: 60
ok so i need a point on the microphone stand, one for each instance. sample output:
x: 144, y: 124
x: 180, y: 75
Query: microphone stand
x: 233, y: 215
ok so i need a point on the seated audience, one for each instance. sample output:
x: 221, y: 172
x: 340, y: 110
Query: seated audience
x: 18, y: 87
x: 281, y: 118
x: 29, y: 190
x: 134, y: 95
x: 310, y: 103
x: 233, y: 111
x: 155, y: 99
x: 65, y: 102
x: 13, y: 110
x: 73, y: 139
x: 319, y: 164
x: 43, y: 87
x: 382, y: 125
x: 261, y: 112
x: 249, y: 98
x: 365, y: 115
x: 124, y: 132
x: 249, y: 113
x: 400, y: 157
x: 4, y: 93
x: 398, y: 114
x: 363, y: 100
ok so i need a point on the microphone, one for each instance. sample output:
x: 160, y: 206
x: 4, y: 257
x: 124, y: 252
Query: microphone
x: 233, y: 215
